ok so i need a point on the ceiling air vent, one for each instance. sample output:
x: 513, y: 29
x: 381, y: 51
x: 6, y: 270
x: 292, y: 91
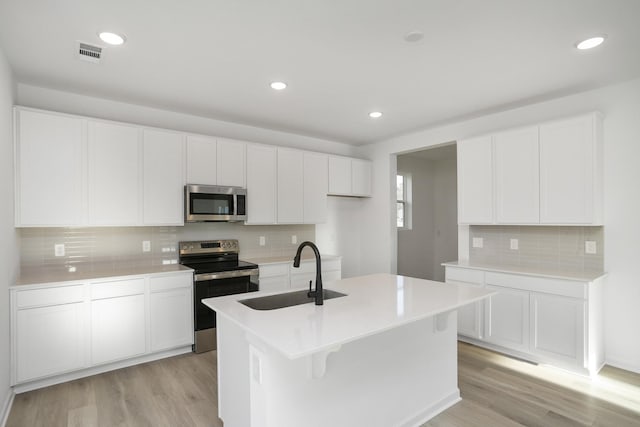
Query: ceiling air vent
x: 89, y: 52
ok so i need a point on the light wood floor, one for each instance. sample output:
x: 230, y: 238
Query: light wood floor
x: 181, y: 391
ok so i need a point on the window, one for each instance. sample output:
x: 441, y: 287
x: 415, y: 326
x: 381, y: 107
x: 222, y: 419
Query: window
x: 402, y: 201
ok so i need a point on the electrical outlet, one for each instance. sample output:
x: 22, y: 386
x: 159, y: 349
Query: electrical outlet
x: 58, y: 249
x: 513, y: 244
x: 478, y: 242
x: 294, y: 239
x: 263, y: 241
x: 590, y: 247
x: 146, y: 246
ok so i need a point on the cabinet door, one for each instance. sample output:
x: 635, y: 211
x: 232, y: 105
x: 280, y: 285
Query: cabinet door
x: 567, y: 171
x: 261, y: 184
x: 475, y: 181
x: 231, y: 161
x: 114, y: 174
x: 517, y: 176
x: 340, y: 175
x: 360, y: 177
x: 276, y: 283
x: 117, y: 328
x: 50, y: 161
x: 163, y: 178
x: 301, y: 280
x: 171, y: 318
x: 290, y: 186
x: 49, y: 341
x: 506, y: 318
x: 470, y: 316
x: 201, y: 160
x: 558, y: 327
x: 315, y: 187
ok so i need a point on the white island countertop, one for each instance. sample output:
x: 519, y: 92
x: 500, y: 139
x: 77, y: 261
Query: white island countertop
x: 374, y: 303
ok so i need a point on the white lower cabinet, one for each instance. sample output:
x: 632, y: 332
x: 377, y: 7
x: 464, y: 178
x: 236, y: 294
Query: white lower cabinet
x: 470, y: 317
x: 42, y: 350
x: 557, y: 325
x: 507, y: 318
x: 117, y: 328
x: 170, y: 312
x: 277, y: 276
x: 545, y: 320
x: 59, y: 330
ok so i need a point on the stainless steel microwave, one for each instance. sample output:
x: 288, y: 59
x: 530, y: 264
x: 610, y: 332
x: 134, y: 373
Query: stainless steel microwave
x: 204, y: 203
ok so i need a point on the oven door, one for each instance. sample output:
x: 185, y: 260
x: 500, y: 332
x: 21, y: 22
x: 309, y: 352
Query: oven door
x: 216, y: 285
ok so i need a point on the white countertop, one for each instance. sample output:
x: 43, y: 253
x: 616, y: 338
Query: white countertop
x: 373, y: 304
x: 92, y: 271
x: 288, y: 259
x: 548, y: 272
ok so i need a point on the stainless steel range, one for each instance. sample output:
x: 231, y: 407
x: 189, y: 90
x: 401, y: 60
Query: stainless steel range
x: 218, y: 272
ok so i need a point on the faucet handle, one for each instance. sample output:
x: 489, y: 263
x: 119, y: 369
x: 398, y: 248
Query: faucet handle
x: 310, y: 294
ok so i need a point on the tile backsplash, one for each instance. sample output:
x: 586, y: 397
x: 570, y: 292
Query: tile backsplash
x: 123, y: 245
x: 559, y: 248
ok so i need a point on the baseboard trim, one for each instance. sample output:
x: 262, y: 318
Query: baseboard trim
x: 70, y: 376
x: 6, y: 407
x: 626, y: 366
x: 431, y: 411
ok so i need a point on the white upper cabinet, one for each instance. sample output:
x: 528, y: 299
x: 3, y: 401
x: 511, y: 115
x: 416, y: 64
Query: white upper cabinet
x: 202, y: 162
x: 315, y: 179
x: 114, y: 153
x: 546, y: 174
x: 475, y: 181
x: 340, y: 176
x: 290, y: 186
x: 360, y: 177
x: 50, y: 159
x: 571, y: 171
x: 230, y: 162
x: 517, y: 176
x: 163, y: 177
x: 261, y: 184
x: 349, y: 177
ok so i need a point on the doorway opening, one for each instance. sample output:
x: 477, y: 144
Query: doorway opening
x: 427, y: 211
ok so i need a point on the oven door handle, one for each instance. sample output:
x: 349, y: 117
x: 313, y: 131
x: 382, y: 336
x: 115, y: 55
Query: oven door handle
x: 226, y: 274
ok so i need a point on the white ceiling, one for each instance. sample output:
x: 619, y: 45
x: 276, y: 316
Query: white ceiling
x: 341, y: 58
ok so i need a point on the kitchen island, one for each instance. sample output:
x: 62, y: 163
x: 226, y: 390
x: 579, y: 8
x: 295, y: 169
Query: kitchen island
x: 383, y: 355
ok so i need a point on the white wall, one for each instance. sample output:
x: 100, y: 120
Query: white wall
x: 433, y: 237
x: 415, y: 245
x: 445, y: 200
x: 340, y: 235
x: 8, y: 240
x: 621, y: 106
x: 72, y: 103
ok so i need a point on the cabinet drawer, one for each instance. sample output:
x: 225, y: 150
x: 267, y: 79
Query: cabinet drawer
x: 465, y: 275
x: 157, y: 284
x: 270, y: 270
x: 309, y: 266
x: 117, y: 288
x: 50, y: 296
x: 566, y: 288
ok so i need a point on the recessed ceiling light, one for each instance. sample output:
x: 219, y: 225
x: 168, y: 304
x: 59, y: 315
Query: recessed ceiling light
x: 375, y: 114
x: 590, y: 43
x: 278, y: 85
x: 112, y: 38
x: 413, y: 36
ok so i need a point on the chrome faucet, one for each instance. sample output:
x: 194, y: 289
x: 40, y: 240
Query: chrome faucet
x: 318, y: 293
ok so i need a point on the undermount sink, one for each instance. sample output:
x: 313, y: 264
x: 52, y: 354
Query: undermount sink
x: 273, y: 302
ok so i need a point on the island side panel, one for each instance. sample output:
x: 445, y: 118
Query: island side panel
x: 233, y: 374
x: 400, y: 377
